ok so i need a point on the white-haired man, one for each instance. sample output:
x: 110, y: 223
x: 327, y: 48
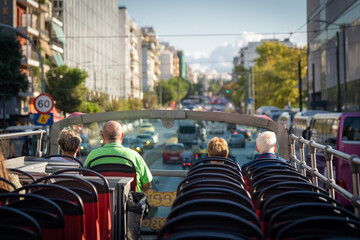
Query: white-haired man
x: 266, y: 145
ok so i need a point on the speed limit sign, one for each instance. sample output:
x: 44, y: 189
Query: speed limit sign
x: 44, y: 103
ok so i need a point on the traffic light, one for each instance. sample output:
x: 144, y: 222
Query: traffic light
x: 227, y: 91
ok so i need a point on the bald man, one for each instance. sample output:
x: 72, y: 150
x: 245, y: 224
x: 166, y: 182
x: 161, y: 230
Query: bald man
x: 112, y: 136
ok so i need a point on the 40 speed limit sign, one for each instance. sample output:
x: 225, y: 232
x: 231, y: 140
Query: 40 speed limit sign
x: 44, y: 103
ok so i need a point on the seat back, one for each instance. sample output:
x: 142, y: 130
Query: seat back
x: 89, y: 196
x: 46, y: 212
x: 25, y: 177
x: 118, y: 166
x: 12, y: 219
x: 227, y: 161
x: 218, y: 222
x: 103, y: 191
x: 215, y: 193
x: 216, y: 166
x: 226, y: 172
x: 65, y: 156
x: 70, y: 203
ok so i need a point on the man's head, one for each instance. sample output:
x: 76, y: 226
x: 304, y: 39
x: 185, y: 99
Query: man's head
x: 69, y: 141
x: 266, y: 142
x: 218, y: 147
x: 112, y: 132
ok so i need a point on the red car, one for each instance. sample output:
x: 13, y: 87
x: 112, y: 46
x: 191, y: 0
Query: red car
x: 172, y: 152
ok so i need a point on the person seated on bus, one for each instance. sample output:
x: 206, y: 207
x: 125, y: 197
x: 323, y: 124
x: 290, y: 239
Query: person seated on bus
x: 7, y: 151
x: 217, y: 146
x: 112, y: 136
x: 69, y: 143
x: 266, y: 145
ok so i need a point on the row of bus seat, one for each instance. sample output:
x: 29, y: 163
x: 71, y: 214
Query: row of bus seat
x: 59, y: 206
x: 289, y: 206
x: 212, y: 203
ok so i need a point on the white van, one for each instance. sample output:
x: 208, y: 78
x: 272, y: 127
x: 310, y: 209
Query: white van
x: 217, y: 128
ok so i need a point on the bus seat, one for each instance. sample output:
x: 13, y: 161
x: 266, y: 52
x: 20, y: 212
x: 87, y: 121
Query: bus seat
x: 88, y: 194
x: 69, y: 202
x: 217, y: 170
x: 216, y: 166
x: 16, y: 224
x: 118, y: 166
x: 7, y: 183
x: 227, y: 161
x: 46, y: 212
x: 24, y: 177
x: 217, y: 205
x: 303, y: 210
x: 103, y: 191
x: 213, y: 183
x: 217, y: 222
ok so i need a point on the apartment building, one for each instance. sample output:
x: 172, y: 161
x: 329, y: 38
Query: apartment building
x: 130, y: 55
x: 166, y: 62
x: 333, y: 55
x: 35, y: 20
x: 92, y: 44
x: 150, y: 59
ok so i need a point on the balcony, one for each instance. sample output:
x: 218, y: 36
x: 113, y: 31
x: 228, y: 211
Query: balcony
x: 56, y: 46
x: 30, y: 56
x: 28, y: 24
x: 44, y: 34
x: 29, y: 3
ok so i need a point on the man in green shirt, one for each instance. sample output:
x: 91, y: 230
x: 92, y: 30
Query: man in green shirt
x: 113, y: 135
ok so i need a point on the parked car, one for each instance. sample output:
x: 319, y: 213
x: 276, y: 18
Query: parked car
x: 172, y: 152
x: 147, y: 140
x: 146, y: 127
x: 236, y: 140
x: 153, y: 134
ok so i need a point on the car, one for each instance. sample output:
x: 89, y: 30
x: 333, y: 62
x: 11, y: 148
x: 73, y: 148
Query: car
x: 172, y: 152
x: 85, y: 146
x: 146, y: 127
x: 201, y: 151
x: 147, y: 140
x: 134, y: 144
x: 236, y: 139
x: 245, y: 132
x: 231, y: 127
x: 153, y: 134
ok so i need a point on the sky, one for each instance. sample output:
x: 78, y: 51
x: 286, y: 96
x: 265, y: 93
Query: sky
x: 211, y: 32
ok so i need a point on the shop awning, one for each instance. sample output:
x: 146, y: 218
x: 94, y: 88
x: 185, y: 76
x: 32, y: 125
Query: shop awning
x: 58, y: 32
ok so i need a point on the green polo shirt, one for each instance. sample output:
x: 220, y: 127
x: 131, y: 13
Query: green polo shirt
x: 143, y: 174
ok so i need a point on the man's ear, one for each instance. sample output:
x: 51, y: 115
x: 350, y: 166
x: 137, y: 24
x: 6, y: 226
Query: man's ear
x: 257, y: 149
x: 122, y: 136
x: 275, y: 149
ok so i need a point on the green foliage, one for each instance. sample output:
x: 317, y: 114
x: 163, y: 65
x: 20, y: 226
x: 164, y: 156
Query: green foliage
x: 170, y: 90
x: 11, y: 79
x: 90, y: 107
x: 276, y: 74
x: 135, y: 104
x: 214, y: 87
x: 67, y: 87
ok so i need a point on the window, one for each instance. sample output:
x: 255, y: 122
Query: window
x: 351, y: 131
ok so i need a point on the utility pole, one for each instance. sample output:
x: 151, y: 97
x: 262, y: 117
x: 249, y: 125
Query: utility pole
x: 300, y: 85
x: 313, y: 87
x: 338, y: 100
x: 253, y: 90
x: 344, y: 56
x: 249, y: 95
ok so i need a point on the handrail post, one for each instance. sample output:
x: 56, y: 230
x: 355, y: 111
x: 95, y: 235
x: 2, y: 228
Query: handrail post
x: 354, y: 168
x: 38, y: 146
x: 302, y: 156
x: 293, y: 150
x: 312, y: 151
x: 329, y: 170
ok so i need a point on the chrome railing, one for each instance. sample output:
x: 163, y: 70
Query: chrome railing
x: 329, y: 180
x: 39, y: 132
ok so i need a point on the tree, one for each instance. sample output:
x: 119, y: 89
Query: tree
x: 67, y: 87
x: 11, y: 79
x: 170, y: 90
x: 214, y: 87
x: 276, y: 74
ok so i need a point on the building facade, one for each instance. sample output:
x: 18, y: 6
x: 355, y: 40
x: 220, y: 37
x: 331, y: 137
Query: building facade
x: 333, y: 54
x: 92, y: 27
x: 150, y: 59
x: 130, y: 55
x: 166, y: 63
x: 35, y: 20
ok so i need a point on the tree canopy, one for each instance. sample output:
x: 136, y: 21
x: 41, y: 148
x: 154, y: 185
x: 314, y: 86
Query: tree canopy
x: 67, y: 87
x: 12, y: 80
x: 170, y: 89
x: 276, y: 74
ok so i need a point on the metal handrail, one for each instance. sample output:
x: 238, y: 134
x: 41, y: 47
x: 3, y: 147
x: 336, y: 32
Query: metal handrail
x: 39, y: 132
x: 329, y: 153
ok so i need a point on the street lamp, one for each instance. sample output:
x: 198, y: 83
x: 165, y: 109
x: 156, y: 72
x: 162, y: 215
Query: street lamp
x: 342, y: 28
